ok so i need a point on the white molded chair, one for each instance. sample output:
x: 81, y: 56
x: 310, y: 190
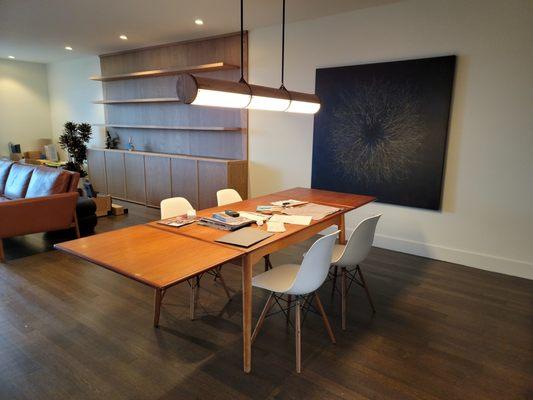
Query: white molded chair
x: 349, y: 256
x: 179, y: 206
x: 228, y: 196
x: 300, y: 281
x: 175, y: 206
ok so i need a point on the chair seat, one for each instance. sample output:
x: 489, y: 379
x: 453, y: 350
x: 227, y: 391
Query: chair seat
x: 338, y: 249
x: 279, y: 279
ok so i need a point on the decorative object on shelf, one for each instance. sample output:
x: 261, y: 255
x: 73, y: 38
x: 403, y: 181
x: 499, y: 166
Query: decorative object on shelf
x: 131, y: 146
x: 74, y: 140
x: 220, y: 93
x: 50, y: 152
x: 383, y: 130
x: 15, y: 153
x: 111, y: 142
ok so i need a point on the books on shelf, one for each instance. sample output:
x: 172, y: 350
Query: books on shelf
x: 178, y: 221
x: 225, y: 222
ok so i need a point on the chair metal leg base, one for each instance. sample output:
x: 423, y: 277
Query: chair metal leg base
x: 268, y: 264
x: 348, y: 277
x: 302, y: 305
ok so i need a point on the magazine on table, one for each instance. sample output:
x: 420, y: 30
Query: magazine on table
x: 178, y: 221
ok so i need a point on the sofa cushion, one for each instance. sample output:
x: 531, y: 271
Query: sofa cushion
x: 17, y: 181
x: 47, y: 181
x: 5, y: 167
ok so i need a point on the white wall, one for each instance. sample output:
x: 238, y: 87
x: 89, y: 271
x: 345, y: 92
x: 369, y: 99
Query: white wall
x: 23, y: 93
x: 487, y: 215
x: 72, y: 93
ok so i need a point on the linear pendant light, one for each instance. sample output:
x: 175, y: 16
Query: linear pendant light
x: 203, y: 91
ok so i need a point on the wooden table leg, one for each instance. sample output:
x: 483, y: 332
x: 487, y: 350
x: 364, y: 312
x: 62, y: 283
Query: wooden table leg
x: 247, y: 312
x: 342, y: 228
x: 157, y: 306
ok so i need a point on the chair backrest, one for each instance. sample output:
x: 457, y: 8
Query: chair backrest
x: 315, y: 266
x: 228, y: 196
x: 360, y: 242
x: 175, y: 206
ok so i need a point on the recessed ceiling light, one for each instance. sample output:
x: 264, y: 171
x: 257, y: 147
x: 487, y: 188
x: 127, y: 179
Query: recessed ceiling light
x: 11, y: 57
x: 123, y: 37
x: 199, y: 21
x: 68, y: 48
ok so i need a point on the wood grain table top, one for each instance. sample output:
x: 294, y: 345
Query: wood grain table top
x: 346, y: 202
x: 154, y: 257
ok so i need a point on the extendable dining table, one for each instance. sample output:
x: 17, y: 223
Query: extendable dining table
x: 162, y: 256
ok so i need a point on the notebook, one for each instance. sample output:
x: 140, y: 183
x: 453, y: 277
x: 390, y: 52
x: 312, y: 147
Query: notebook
x: 244, y: 237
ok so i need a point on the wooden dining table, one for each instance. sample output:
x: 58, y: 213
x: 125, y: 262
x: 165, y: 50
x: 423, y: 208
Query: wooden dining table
x: 162, y: 256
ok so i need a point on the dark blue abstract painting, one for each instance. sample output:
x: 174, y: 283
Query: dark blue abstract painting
x: 382, y: 130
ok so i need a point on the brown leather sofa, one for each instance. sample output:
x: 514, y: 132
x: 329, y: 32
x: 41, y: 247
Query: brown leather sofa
x: 36, y: 199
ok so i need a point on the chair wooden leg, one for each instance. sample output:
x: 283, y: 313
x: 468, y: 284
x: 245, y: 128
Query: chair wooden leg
x: 261, y: 319
x: 343, y: 297
x: 325, y: 318
x: 298, y: 337
x: 365, y: 286
x: 157, y: 306
x: 268, y: 264
x: 223, y: 283
x: 2, y: 255
x: 335, y: 271
x: 289, y: 302
x: 195, y: 288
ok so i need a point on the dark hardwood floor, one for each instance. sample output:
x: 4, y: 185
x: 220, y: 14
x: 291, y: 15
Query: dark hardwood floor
x: 71, y: 330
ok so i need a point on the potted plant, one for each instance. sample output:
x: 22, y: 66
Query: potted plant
x: 74, y: 140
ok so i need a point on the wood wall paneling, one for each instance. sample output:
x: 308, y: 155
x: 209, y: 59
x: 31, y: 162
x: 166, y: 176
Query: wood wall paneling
x: 115, y: 174
x: 212, y: 177
x: 185, y: 179
x: 158, y: 182
x: 97, y: 170
x: 135, y: 180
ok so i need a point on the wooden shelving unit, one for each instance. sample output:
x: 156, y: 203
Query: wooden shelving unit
x: 217, y: 66
x: 139, y: 101
x: 174, y: 128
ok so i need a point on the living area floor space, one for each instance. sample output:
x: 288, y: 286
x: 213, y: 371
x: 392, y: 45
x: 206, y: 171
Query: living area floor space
x: 266, y: 200
x: 70, y: 329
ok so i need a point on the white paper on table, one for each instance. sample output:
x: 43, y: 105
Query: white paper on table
x: 253, y: 216
x: 292, y: 219
x: 275, y: 226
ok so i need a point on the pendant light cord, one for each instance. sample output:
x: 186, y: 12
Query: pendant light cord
x: 283, y: 49
x: 242, y: 41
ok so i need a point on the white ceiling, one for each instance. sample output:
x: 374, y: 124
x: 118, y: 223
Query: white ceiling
x: 38, y: 30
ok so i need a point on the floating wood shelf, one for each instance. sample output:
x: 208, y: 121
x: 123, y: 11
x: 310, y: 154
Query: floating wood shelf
x: 173, y: 128
x: 139, y: 101
x: 218, y: 66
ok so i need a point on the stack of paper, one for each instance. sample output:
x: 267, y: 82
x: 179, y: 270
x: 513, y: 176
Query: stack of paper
x: 291, y: 219
x: 316, y: 211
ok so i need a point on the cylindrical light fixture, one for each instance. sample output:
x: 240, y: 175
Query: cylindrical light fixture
x: 202, y: 91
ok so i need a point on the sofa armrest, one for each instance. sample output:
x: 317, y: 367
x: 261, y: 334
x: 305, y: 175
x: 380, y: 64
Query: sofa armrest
x: 38, y: 214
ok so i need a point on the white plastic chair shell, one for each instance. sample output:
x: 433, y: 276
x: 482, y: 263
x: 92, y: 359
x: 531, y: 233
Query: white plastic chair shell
x: 228, y: 196
x: 359, y: 244
x: 175, y: 206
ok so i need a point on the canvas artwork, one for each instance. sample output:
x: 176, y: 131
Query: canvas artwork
x: 382, y: 130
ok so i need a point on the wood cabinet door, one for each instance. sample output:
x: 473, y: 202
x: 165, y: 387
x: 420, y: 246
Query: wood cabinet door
x: 212, y: 176
x: 135, y: 182
x: 185, y: 179
x: 157, y: 175
x: 115, y: 174
x: 97, y: 174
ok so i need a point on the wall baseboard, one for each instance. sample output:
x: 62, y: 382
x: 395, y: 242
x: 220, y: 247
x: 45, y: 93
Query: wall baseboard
x: 486, y: 262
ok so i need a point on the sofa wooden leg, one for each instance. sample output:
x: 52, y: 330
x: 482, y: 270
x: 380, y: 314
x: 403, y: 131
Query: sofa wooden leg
x: 76, y: 226
x: 2, y: 257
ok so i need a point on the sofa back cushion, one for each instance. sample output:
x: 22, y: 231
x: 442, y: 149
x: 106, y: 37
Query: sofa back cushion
x: 5, y: 167
x: 18, y: 181
x: 47, y: 181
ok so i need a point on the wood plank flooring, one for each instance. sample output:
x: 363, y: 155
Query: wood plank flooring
x: 71, y: 330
